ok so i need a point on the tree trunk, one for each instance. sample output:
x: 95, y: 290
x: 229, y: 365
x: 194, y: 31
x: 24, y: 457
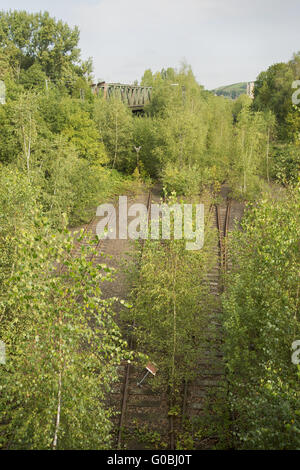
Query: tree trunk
x: 116, y: 140
x: 54, y: 445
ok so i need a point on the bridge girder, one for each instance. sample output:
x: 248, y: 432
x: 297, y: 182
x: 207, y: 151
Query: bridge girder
x: 135, y: 96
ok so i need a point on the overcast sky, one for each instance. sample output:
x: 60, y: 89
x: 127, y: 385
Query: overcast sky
x: 225, y: 41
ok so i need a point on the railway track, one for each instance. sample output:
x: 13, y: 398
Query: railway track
x: 78, y: 243
x: 141, y: 406
x: 128, y: 367
x: 148, y: 407
x: 100, y: 246
x: 211, y: 378
x: 222, y: 222
x: 109, y: 251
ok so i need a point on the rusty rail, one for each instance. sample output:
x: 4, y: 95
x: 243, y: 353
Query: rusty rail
x: 128, y: 366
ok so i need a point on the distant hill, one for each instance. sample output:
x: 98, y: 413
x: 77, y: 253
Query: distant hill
x: 231, y: 91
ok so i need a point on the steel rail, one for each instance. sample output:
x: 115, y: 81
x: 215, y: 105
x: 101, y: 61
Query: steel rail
x: 128, y: 365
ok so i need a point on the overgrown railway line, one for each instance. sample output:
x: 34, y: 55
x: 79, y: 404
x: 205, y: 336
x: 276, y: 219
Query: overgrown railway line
x: 143, y: 405
x: 210, y: 380
x: 144, y: 411
x: 128, y: 366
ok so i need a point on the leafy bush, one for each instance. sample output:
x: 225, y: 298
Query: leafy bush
x: 286, y: 163
x: 60, y: 364
x: 261, y: 317
x: 188, y: 181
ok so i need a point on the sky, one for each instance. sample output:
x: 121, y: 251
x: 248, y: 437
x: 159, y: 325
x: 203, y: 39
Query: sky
x: 225, y: 41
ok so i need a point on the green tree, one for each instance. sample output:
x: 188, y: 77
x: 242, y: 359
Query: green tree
x: 114, y: 122
x: 261, y: 318
x: 251, y: 151
x: 147, y: 78
x: 81, y: 131
x: 25, y: 121
x: 38, y: 38
x: 171, y: 308
x: 62, y: 343
x: 273, y: 91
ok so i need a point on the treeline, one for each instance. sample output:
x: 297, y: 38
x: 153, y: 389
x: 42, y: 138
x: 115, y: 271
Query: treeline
x: 273, y: 91
x: 62, y: 343
x: 192, y: 139
x: 261, y: 302
x: 188, y: 137
x: 50, y: 129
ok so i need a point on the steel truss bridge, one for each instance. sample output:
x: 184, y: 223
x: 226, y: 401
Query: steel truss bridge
x: 135, y: 96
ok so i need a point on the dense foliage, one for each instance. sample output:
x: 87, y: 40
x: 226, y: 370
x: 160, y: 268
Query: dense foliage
x: 63, y: 345
x: 172, y: 304
x: 261, y: 317
x: 36, y: 46
x: 172, y: 311
x: 64, y: 150
x: 274, y: 89
x: 192, y: 139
